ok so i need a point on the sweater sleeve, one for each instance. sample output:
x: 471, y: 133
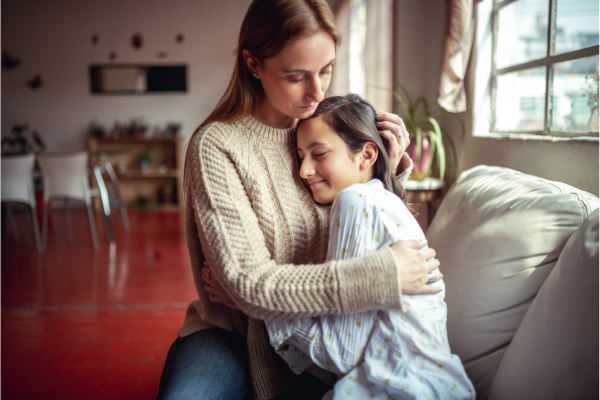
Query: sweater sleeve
x: 234, y: 244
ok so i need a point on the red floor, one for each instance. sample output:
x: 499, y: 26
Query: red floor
x: 85, y: 324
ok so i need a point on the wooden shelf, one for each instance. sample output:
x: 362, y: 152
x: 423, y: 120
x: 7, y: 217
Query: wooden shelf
x: 162, y: 190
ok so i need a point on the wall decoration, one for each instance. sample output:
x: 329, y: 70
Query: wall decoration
x: 179, y: 38
x: 112, y: 56
x: 35, y: 83
x: 8, y: 62
x: 162, y: 54
x: 137, y: 41
x: 95, y: 39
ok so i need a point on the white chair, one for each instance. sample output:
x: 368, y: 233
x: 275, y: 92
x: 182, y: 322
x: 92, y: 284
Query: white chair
x: 17, y: 187
x: 66, y: 178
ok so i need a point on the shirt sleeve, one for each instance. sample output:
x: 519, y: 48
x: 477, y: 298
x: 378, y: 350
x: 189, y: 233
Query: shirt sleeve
x: 234, y: 244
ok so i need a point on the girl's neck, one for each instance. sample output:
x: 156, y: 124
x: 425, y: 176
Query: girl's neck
x: 266, y: 114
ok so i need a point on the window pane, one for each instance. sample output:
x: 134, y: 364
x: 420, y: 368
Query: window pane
x: 520, y: 98
x: 575, y: 95
x: 522, y: 32
x: 576, y: 25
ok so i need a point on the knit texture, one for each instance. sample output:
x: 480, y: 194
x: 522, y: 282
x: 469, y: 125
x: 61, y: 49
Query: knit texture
x: 249, y: 214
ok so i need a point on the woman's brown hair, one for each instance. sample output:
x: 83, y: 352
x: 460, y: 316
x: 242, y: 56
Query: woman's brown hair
x: 355, y: 120
x: 267, y: 27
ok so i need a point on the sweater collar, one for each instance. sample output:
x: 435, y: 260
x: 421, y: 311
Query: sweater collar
x: 267, y: 132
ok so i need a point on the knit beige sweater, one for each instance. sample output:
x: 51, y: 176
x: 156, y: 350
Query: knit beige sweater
x: 249, y: 214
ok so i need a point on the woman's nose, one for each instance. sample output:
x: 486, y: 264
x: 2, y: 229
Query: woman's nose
x: 316, y: 91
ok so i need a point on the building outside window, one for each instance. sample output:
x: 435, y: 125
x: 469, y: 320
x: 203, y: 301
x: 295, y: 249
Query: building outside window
x: 536, y: 72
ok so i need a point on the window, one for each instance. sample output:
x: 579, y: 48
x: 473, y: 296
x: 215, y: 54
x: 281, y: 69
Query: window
x: 536, y: 72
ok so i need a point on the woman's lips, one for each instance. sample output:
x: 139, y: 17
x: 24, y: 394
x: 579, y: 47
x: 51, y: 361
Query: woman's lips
x: 314, y: 184
x: 309, y: 108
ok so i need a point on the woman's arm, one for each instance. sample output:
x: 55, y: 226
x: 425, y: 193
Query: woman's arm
x: 235, y: 246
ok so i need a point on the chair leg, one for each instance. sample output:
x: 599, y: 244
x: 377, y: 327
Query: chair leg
x: 117, y: 189
x: 92, y: 226
x: 45, y: 226
x: 104, y: 200
x: 68, y: 218
x: 28, y: 227
x: 36, y: 230
x: 13, y: 225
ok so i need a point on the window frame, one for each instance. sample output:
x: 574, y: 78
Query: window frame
x: 486, y: 73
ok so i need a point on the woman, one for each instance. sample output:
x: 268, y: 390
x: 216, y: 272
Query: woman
x: 250, y: 216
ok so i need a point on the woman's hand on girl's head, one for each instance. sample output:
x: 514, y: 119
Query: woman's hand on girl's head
x: 394, y: 131
x: 415, y: 264
x: 212, y: 287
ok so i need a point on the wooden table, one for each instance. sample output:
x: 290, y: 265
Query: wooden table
x: 426, y: 191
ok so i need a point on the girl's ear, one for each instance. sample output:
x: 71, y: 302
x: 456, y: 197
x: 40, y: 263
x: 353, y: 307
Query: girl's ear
x: 369, y: 153
x: 251, y: 62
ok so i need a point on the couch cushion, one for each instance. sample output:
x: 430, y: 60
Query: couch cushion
x: 498, y: 234
x: 554, y: 354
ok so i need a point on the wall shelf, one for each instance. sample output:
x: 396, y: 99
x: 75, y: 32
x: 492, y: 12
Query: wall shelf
x: 156, y: 189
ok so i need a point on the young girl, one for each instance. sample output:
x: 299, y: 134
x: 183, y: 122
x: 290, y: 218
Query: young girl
x: 383, y: 354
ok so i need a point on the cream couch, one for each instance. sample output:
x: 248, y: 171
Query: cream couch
x: 520, y: 261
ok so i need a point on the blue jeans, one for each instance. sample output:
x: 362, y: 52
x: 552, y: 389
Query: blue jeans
x: 213, y: 364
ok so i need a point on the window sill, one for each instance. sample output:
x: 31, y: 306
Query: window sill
x: 540, y: 138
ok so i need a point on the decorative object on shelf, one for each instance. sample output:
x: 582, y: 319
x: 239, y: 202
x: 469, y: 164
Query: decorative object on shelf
x: 35, y: 82
x: 162, y: 54
x: 95, y: 39
x: 141, y: 201
x: 428, y: 140
x: 137, y: 128
x: 179, y: 38
x: 8, y: 62
x: 137, y: 41
x: 96, y: 130
x: 112, y: 56
x: 144, y: 161
x: 172, y: 130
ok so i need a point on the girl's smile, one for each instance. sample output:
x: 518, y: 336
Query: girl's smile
x: 327, y: 165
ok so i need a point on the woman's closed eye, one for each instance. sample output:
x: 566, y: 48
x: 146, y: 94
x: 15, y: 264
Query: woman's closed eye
x: 321, y: 154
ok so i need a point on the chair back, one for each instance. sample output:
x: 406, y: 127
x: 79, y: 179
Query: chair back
x: 17, y: 179
x: 65, y: 176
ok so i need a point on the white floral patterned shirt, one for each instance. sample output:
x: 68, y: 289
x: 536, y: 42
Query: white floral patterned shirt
x: 379, y: 354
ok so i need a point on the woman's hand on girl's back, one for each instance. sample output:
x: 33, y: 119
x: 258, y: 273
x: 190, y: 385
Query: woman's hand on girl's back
x: 214, y: 290
x: 416, y: 264
x: 394, y: 131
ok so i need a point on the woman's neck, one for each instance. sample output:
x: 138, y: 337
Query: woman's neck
x: 269, y: 116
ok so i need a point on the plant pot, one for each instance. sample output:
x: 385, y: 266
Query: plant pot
x: 418, y: 173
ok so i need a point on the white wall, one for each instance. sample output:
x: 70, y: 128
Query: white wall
x: 419, y: 32
x: 53, y: 38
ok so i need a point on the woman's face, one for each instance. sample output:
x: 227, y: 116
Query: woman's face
x: 296, y: 79
x: 327, y: 166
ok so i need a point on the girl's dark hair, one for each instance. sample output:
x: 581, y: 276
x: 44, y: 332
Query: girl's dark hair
x: 354, y: 119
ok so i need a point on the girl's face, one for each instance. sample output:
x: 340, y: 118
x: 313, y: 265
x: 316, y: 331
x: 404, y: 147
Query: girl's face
x: 327, y: 166
x: 295, y: 80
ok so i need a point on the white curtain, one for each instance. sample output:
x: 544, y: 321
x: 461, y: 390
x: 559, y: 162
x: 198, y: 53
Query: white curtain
x: 460, y: 30
x: 374, y: 43
x: 378, y: 54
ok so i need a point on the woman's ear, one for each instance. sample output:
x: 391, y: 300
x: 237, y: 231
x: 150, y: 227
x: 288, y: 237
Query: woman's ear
x: 369, y: 154
x: 251, y: 62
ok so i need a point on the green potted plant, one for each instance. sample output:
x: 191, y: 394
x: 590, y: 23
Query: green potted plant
x: 21, y: 141
x: 429, y: 142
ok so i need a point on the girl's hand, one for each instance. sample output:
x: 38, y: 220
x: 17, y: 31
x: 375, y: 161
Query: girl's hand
x: 212, y: 287
x: 415, y: 265
x: 393, y: 130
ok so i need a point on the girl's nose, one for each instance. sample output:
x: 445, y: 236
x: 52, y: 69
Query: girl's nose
x: 306, y: 169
